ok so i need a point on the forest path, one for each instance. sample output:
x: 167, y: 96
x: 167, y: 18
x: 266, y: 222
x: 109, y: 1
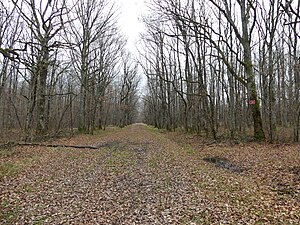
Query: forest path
x: 140, y: 176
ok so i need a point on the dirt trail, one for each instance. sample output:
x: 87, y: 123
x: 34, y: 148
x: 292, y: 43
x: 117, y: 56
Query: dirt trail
x: 140, y: 177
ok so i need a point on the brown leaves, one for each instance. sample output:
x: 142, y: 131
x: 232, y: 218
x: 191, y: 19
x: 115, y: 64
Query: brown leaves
x: 143, y: 177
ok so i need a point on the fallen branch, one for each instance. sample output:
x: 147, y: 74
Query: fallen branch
x: 57, y: 145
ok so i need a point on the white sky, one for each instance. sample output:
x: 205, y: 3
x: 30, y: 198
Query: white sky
x: 130, y: 20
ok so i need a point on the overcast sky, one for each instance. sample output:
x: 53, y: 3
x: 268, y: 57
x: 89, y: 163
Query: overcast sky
x: 130, y: 22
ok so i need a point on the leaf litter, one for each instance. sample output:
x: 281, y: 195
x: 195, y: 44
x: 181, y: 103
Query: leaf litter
x: 141, y: 176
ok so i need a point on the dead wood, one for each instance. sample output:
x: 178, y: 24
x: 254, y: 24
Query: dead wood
x: 58, y: 145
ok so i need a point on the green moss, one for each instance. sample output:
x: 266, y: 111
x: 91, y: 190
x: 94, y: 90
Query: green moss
x: 6, y: 153
x: 153, y: 129
x: 28, y: 188
x: 119, y: 160
x: 259, y: 136
x: 153, y: 163
x: 39, y: 222
x: 8, y: 214
x: 190, y: 150
x: 9, y: 169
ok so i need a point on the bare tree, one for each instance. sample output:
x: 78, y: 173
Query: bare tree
x: 128, y: 98
x: 10, y: 29
x: 96, y: 50
x: 45, y: 20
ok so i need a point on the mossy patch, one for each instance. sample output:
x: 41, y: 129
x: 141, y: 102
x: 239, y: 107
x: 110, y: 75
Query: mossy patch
x: 9, y: 169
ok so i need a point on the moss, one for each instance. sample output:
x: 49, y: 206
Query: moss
x: 9, y: 169
x: 28, y: 188
x: 190, y: 150
x: 259, y: 135
x: 8, y: 215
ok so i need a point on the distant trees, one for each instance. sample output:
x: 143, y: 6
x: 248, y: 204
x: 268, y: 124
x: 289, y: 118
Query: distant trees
x: 292, y: 27
x: 61, y: 61
x: 95, y: 53
x: 212, y: 64
x: 128, y: 92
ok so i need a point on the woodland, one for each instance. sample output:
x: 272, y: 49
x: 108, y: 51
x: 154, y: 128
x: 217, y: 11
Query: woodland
x: 224, y: 69
x: 198, y: 126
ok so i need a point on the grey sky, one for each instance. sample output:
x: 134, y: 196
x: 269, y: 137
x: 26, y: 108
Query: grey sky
x: 130, y: 22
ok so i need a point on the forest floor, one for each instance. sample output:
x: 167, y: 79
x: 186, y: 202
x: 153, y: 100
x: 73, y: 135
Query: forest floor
x: 141, y: 175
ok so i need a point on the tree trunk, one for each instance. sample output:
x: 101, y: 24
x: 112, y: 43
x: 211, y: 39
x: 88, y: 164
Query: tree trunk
x: 41, y: 90
x: 249, y: 72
